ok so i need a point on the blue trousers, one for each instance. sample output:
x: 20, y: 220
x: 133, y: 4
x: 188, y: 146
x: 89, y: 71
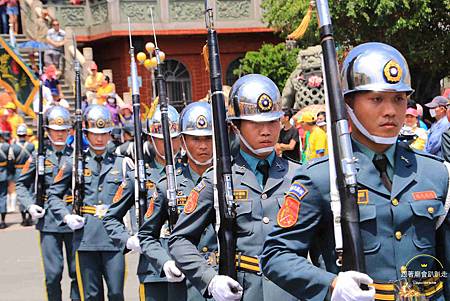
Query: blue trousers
x: 92, y: 267
x: 3, y: 195
x: 53, y: 259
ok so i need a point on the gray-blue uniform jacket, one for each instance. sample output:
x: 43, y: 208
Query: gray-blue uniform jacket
x: 26, y: 182
x: 19, y: 152
x: 113, y: 222
x: 157, y: 219
x: 256, y: 215
x: 100, y: 188
x: 395, y: 227
x: 4, y: 163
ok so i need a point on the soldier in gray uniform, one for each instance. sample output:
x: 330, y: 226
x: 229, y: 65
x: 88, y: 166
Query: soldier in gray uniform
x: 19, y: 152
x: 402, y: 192
x: 196, y: 131
x: 5, y: 174
x: 260, y: 179
x: 97, y: 257
x: 153, y: 284
x: 52, y: 235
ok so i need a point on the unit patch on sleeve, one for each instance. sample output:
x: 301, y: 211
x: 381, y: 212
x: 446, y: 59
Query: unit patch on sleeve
x: 191, y: 203
x: 288, y: 214
x: 60, y: 174
x: 27, y: 166
x: 119, y: 193
x: 150, y: 208
x: 424, y: 195
x: 297, y: 190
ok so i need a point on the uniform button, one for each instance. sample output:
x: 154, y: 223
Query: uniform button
x: 398, y: 235
x: 205, y: 249
x: 430, y: 210
x: 403, y: 269
x: 99, y: 188
x: 266, y: 220
x: 395, y: 202
x: 99, y: 202
x: 264, y: 196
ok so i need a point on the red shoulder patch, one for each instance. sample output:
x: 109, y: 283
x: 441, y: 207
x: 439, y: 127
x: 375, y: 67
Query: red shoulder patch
x: 150, y: 208
x: 118, y: 194
x: 288, y: 214
x: 26, y: 166
x: 191, y: 203
x: 60, y: 174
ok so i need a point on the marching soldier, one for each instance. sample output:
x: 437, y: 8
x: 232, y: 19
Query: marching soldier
x: 196, y: 136
x: 116, y: 140
x: 52, y: 235
x: 153, y: 286
x: 19, y: 152
x: 127, y: 147
x: 96, y: 255
x: 4, y: 175
x: 401, y: 195
x: 260, y: 179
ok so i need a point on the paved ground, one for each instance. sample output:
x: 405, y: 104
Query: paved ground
x: 21, y: 276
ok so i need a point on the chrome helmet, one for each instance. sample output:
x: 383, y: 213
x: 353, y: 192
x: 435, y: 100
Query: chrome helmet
x: 254, y: 97
x: 98, y: 119
x: 375, y: 67
x: 196, y: 119
x: 155, y: 125
x: 58, y: 118
x: 22, y: 130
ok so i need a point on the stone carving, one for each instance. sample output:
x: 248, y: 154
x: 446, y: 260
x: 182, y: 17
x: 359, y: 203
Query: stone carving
x: 186, y: 10
x: 304, y: 86
x: 71, y: 16
x: 138, y: 12
x: 99, y: 13
x: 233, y: 9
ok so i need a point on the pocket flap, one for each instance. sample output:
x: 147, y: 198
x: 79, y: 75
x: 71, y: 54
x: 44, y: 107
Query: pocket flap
x: 367, y: 212
x: 428, y: 209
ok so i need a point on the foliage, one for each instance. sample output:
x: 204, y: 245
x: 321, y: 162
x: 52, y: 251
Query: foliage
x: 420, y: 29
x: 274, y: 61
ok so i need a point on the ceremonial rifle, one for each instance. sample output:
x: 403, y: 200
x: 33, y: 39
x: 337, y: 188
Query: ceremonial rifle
x: 168, y: 153
x: 78, y: 154
x: 344, y: 163
x: 223, y: 178
x: 40, y: 170
x: 141, y: 192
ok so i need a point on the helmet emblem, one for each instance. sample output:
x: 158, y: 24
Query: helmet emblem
x: 100, y: 123
x: 201, y: 122
x: 59, y: 121
x: 265, y: 103
x: 392, y: 72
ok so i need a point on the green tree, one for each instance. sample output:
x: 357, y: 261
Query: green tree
x: 274, y: 61
x: 420, y: 29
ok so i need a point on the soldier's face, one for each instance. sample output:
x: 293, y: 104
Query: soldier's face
x: 58, y: 135
x: 159, y: 145
x: 98, y: 140
x: 199, y: 147
x: 260, y: 134
x: 381, y: 113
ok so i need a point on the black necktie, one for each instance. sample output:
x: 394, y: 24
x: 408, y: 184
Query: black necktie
x: 99, y: 160
x: 381, y: 162
x: 263, y: 167
x: 59, y: 155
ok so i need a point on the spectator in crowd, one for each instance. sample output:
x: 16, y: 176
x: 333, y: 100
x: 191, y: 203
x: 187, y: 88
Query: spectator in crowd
x: 12, y: 9
x: 84, y: 103
x: 413, y: 104
x: 106, y: 88
x: 50, y: 80
x: 56, y: 38
x: 438, y: 110
x: 126, y: 114
x: 32, y: 138
x: 316, y: 145
x: 5, y: 127
x: 322, y: 120
x: 14, y: 119
x: 4, y: 17
x: 59, y: 101
x: 93, y: 82
x: 445, y: 145
x: 43, y: 23
x: 288, y: 145
x: 411, y: 132
x: 111, y: 104
x: 47, y: 100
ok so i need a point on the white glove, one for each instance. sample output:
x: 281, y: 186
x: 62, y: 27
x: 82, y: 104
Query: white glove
x: 133, y: 244
x: 173, y: 274
x: 347, y: 287
x: 74, y: 221
x: 36, y: 211
x: 224, y: 288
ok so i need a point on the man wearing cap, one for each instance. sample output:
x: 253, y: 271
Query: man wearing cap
x: 97, y: 257
x: 52, y: 235
x: 416, y: 136
x: 438, y: 110
x: 260, y: 179
x: 445, y: 145
x: 316, y: 147
x: 405, y: 228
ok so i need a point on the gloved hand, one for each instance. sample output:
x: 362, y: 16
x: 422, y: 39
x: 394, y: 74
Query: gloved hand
x: 173, y: 274
x: 224, y: 288
x: 133, y: 244
x: 74, y: 221
x: 36, y: 211
x: 347, y: 287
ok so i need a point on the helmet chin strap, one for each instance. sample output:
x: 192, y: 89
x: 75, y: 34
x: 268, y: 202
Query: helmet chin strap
x: 207, y: 162
x: 365, y: 132
x: 156, y: 150
x: 259, y: 151
x: 57, y: 143
x: 96, y: 148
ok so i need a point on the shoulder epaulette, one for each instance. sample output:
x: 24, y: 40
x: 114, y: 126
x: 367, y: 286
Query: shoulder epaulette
x: 420, y: 153
x: 316, y: 161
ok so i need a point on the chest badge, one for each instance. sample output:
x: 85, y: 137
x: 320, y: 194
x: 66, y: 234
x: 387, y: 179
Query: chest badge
x: 240, y: 194
x: 363, y: 197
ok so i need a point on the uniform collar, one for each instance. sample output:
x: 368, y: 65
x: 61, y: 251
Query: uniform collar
x: 195, y: 176
x: 389, y: 153
x: 253, y: 161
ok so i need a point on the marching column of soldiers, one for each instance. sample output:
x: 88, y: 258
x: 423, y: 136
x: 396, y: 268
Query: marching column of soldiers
x: 280, y: 214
